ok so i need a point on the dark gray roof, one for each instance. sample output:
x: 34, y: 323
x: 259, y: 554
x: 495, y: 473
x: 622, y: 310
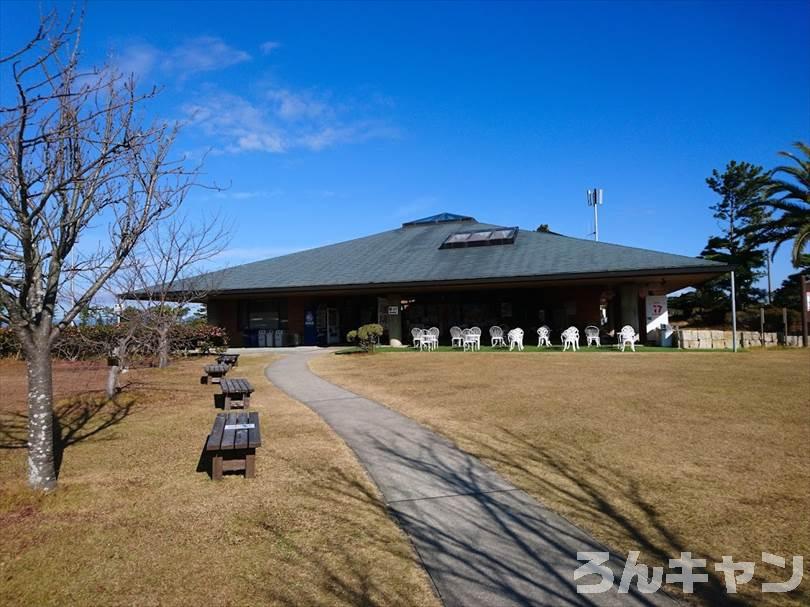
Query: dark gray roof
x: 411, y: 254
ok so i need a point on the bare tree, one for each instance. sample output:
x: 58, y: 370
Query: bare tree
x: 165, y: 271
x: 82, y: 178
x: 128, y: 338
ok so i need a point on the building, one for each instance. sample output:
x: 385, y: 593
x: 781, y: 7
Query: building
x: 448, y: 270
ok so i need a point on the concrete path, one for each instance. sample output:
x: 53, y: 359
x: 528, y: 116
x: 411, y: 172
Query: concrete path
x: 482, y: 540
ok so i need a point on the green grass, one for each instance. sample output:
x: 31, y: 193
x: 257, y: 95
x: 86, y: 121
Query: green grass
x: 534, y: 349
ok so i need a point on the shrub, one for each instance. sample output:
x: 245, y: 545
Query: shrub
x: 99, y: 341
x: 198, y: 335
x: 9, y: 346
x: 368, y: 336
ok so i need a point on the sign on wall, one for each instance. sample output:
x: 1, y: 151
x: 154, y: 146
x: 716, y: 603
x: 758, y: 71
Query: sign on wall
x: 393, y: 310
x: 657, y: 312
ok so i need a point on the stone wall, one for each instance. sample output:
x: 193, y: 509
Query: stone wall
x: 707, y: 339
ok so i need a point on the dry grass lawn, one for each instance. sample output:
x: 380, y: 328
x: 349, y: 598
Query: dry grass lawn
x: 657, y: 452
x: 133, y: 523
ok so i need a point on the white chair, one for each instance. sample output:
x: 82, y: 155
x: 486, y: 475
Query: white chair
x: 570, y: 337
x: 544, y: 336
x: 424, y: 339
x: 468, y: 339
x: 456, y: 338
x: 434, y: 333
x: 628, y: 336
x: 592, y: 335
x: 476, y: 332
x: 416, y: 336
x: 516, y: 339
x: 496, y: 336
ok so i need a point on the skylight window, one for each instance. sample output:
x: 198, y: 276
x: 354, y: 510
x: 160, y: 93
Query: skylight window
x: 480, y: 238
x: 458, y: 238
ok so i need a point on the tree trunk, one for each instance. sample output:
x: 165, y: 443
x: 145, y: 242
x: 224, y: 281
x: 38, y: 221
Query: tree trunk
x: 41, y: 463
x: 112, y: 380
x: 119, y: 354
x: 163, y: 348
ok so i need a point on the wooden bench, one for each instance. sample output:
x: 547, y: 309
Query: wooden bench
x: 214, y: 373
x: 228, y: 359
x: 236, y: 391
x: 232, y: 443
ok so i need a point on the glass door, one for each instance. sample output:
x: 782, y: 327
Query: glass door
x: 332, y: 326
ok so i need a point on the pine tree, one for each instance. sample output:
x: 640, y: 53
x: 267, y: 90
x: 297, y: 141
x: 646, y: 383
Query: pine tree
x: 742, y: 187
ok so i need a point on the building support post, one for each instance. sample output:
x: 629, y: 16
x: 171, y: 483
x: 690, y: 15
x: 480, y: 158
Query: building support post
x: 628, y: 302
x: 733, y: 314
x: 394, y: 320
x: 804, y: 302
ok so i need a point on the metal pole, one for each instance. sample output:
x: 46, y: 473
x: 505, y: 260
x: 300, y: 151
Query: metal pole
x: 804, y: 303
x: 762, y: 326
x: 595, y: 222
x: 733, y: 315
x: 768, y: 262
x: 784, y: 324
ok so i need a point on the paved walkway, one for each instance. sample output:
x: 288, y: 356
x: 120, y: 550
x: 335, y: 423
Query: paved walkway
x: 482, y: 540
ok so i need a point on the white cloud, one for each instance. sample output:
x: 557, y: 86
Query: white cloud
x: 202, y: 54
x: 237, y: 124
x: 138, y: 59
x: 268, y: 47
x: 329, y: 136
x: 292, y: 120
x: 193, y: 56
x: 249, y: 195
x: 357, y: 132
x: 294, y: 106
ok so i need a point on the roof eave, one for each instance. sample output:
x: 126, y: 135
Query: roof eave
x: 708, y: 271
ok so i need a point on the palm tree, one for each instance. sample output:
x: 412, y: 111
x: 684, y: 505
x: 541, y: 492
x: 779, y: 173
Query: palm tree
x: 791, y: 196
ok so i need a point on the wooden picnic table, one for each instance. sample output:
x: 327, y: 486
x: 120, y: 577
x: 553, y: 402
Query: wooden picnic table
x: 214, y: 373
x: 228, y: 359
x: 236, y: 391
x: 232, y: 443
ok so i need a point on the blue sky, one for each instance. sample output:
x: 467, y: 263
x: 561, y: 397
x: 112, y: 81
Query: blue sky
x: 333, y: 121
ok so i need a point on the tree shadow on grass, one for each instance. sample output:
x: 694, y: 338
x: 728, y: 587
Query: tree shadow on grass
x: 606, y: 498
x: 517, y: 578
x: 592, y: 494
x: 74, y: 420
x: 368, y: 571
x: 497, y: 542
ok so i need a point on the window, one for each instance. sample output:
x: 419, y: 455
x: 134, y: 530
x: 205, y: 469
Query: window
x: 480, y: 238
x: 263, y: 314
x: 458, y: 238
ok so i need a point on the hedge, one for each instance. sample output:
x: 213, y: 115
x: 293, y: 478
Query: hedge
x: 98, y: 341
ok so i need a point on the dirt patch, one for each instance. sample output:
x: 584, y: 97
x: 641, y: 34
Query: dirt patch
x: 69, y: 377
